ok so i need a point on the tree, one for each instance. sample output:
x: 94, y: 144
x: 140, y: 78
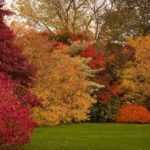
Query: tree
x: 135, y: 76
x: 65, y: 97
x: 61, y: 82
x: 67, y: 15
x: 125, y: 18
x: 15, y: 72
x: 12, y: 62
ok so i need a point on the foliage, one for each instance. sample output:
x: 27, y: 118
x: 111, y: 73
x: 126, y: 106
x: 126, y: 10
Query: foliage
x: 11, y: 58
x: 133, y: 113
x: 136, y: 76
x: 126, y: 18
x: 14, y: 64
x: 66, y: 15
x: 101, y: 61
x: 98, y: 61
x: 108, y: 97
x: 15, y: 72
x: 65, y: 97
x: 76, y: 48
x: 61, y: 82
x: 105, y: 112
x: 15, y: 121
x: 90, y: 51
x: 108, y: 64
x: 62, y: 56
x: 68, y: 38
x: 64, y: 37
x: 105, y: 21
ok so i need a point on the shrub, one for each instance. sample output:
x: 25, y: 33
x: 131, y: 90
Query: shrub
x: 105, y: 112
x: 98, y: 61
x: 12, y: 61
x: 133, y: 113
x: 97, y: 57
x: 90, y: 51
x: 15, y: 71
x: 15, y: 121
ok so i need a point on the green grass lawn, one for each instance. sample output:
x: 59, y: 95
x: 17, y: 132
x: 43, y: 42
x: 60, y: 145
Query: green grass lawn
x: 91, y: 137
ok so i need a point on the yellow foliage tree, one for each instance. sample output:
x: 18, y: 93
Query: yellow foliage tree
x: 62, y: 83
x: 136, y: 75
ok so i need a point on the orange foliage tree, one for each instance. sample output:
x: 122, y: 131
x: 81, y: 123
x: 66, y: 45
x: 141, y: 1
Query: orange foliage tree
x: 136, y: 75
x: 62, y: 83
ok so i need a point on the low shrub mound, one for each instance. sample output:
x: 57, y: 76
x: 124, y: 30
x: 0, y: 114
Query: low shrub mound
x: 133, y: 113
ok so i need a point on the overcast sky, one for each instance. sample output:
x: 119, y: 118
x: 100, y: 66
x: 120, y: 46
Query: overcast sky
x: 8, y: 2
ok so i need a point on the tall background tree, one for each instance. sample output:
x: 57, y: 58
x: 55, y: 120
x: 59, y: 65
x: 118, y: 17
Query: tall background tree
x: 68, y: 15
x: 125, y: 18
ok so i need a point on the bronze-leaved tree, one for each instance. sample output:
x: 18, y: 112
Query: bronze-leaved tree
x: 61, y: 83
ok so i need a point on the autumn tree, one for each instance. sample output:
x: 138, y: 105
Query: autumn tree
x: 135, y: 77
x: 62, y: 83
x: 12, y: 61
x: 125, y: 18
x: 16, y: 73
x: 66, y: 15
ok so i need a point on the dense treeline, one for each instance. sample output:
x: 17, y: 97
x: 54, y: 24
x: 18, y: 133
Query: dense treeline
x: 70, y: 61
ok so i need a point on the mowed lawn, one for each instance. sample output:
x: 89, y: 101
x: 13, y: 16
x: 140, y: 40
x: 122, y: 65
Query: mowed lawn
x: 91, y: 137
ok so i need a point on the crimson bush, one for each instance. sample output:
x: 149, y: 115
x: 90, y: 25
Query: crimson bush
x: 15, y: 121
x: 133, y: 113
x: 12, y: 61
x: 16, y: 76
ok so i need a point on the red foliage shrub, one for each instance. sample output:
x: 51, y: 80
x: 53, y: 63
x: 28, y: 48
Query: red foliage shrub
x: 104, y: 96
x: 90, y: 51
x: 15, y: 121
x: 15, y: 71
x: 26, y: 97
x: 133, y: 113
x: 109, y: 63
x: 107, y: 93
x: 98, y: 61
x: 29, y: 100
x: 98, y: 58
x: 115, y: 89
x: 12, y: 61
x: 15, y: 124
